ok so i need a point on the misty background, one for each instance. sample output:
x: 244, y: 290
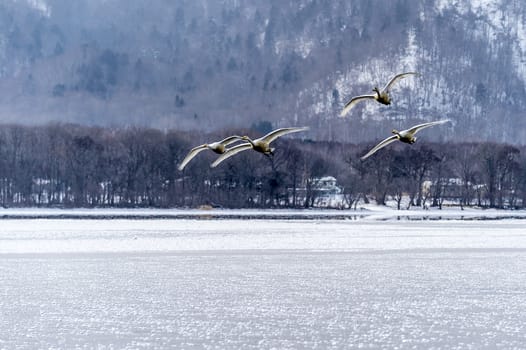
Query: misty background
x: 210, y: 65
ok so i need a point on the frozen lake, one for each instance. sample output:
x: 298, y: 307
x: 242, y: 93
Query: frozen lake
x: 238, y: 283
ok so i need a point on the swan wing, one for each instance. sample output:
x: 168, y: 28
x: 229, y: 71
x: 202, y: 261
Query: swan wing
x: 230, y: 139
x: 353, y: 102
x: 231, y: 152
x: 382, y: 144
x: 419, y: 127
x: 271, y: 136
x: 193, y: 152
x: 397, y: 78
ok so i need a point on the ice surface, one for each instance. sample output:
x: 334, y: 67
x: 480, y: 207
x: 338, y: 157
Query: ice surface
x: 262, y: 284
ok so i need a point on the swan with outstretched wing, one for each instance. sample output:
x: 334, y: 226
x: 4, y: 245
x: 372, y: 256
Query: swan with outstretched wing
x: 261, y: 144
x: 217, y: 147
x: 406, y: 136
x: 381, y: 96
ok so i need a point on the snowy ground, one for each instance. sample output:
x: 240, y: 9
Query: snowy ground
x: 362, y: 282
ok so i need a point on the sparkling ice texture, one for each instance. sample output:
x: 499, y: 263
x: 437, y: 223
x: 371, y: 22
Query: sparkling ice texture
x: 262, y: 284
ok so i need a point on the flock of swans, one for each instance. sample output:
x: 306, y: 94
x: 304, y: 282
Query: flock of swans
x: 262, y: 144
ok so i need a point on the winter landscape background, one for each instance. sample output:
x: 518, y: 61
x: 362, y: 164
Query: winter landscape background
x: 101, y: 100
x: 105, y: 244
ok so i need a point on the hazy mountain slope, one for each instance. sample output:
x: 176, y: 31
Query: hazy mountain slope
x: 210, y: 64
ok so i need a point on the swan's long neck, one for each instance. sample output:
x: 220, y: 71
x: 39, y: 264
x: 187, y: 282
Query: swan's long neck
x: 249, y: 140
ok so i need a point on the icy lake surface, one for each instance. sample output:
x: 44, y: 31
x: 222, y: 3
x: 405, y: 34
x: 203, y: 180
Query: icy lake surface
x: 262, y: 284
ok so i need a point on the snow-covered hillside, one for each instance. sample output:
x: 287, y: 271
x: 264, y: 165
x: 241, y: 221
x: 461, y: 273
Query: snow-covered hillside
x: 191, y: 63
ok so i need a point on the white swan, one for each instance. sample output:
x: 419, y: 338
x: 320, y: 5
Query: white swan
x: 407, y: 136
x: 261, y: 145
x: 381, y: 96
x: 218, y: 147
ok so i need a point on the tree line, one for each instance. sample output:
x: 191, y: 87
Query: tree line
x: 68, y: 165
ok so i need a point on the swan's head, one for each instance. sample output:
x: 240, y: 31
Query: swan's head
x: 248, y: 139
x: 396, y: 132
x: 375, y: 89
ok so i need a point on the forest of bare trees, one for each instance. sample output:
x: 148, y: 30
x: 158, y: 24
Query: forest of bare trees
x: 65, y: 165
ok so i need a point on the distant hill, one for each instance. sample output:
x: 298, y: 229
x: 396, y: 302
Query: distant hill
x: 213, y: 64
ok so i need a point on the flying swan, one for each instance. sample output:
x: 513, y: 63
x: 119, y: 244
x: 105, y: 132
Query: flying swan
x: 261, y: 145
x: 407, y: 136
x: 218, y: 147
x: 381, y: 96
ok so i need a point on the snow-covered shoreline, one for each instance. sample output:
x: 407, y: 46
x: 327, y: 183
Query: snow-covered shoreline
x: 368, y: 212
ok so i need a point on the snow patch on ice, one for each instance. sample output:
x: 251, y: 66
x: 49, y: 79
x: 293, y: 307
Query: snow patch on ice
x: 382, y: 229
